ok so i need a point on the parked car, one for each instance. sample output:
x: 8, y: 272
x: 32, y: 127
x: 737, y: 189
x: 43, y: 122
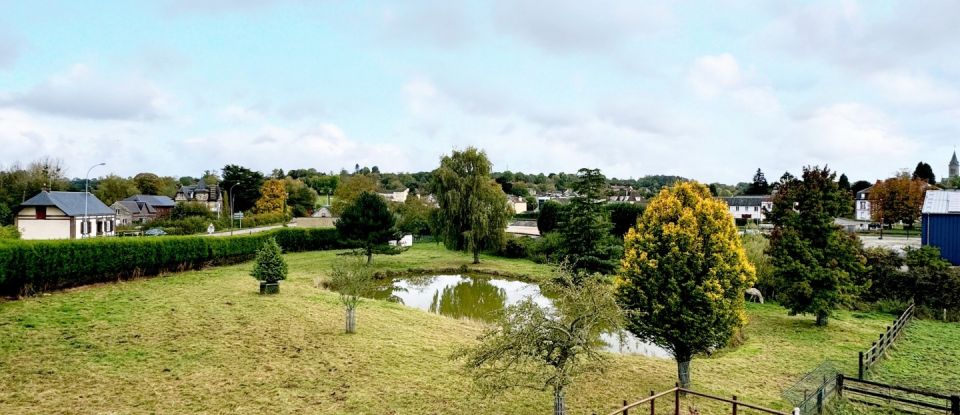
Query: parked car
x: 155, y: 232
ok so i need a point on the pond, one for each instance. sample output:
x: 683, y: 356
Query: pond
x: 482, y: 298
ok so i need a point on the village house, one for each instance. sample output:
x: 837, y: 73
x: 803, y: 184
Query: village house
x: 64, y: 215
x: 518, y: 204
x: 162, y: 205
x: 398, y: 197
x: 749, y: 207
x: 208, y: 195
x: 862, y: 205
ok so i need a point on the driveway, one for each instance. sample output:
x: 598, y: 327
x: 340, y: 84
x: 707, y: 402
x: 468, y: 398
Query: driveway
x: 896, y: 243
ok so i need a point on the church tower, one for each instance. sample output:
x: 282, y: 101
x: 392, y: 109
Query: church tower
x: 954, y: 166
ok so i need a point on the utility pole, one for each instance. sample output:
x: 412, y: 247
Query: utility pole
x: 86, y: 196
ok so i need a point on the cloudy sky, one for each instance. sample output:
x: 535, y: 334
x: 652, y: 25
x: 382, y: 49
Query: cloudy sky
x: 710, y: 90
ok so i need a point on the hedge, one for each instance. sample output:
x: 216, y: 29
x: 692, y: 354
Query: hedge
x: 28, y: 267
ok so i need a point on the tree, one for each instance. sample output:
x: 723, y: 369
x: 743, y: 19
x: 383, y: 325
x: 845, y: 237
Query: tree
x: 859, y: 185
x: 550, y: 216
x: 473, y: 210
x: 756, y: 245
x: 815, y: 261
x: 588, y: 244
x: 273, y: 197
x: 623, y: 216
x: 897, y: 199
x: 113, y: 188
x: 413, y: 216
x: 759, y: 185
x: 844, y: 183
x: 683, y: 275
x: 349, y: 189
x: 352, y: 280
x: 269, y: 266
x: 301, y: 198
x: 147, y: 183
x: 924, y: 172
x: 367, y: 223
x: 546, y: 348
x: 248, y: 184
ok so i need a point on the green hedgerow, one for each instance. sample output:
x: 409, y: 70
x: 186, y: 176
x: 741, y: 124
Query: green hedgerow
x: 269, y: 266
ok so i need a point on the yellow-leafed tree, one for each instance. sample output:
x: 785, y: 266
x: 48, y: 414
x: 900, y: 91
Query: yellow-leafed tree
x: 683, y: 275
x: 273, y: 197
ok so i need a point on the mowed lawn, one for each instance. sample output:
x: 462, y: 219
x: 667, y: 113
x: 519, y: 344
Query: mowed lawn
x: 206, y: 342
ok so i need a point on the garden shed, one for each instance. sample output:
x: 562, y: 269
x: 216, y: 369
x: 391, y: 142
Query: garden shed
x: 940, y: 223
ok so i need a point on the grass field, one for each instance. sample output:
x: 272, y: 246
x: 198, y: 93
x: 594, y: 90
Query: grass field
x: 927, y: 357
x: 206, y: 342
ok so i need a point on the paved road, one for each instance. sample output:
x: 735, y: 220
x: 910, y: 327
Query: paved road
x: 897, y: 243
x: 247, y: 231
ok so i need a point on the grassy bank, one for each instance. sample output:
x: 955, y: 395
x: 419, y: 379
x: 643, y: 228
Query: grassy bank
x: 205, y: 342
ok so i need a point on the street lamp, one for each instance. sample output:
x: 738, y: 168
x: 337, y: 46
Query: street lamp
x: 232, y: 198
x: 86, y: 196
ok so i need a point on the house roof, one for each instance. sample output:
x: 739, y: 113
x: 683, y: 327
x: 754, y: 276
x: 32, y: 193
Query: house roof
x: 153, y: 200
x: 128, y: 205
x: 864, y: 192
x: 71, y: 203
x: 941, y: 202
x: 746, y: 200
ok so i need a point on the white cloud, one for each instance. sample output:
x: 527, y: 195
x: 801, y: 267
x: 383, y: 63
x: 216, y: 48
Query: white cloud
x: 855, y: 135
x: 915, y: 89
x: 444, y: 24
x: 570, y: 25
x: 82, y: 92
x: 714, y: 76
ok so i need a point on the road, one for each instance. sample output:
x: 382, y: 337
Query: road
x: 247, y: 231
x: 896, y: 243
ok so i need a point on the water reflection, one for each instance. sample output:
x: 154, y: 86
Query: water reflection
x: 481, y: 298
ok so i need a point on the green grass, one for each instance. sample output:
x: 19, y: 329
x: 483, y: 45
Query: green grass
x: 927, y: 357
x: 205, y: 342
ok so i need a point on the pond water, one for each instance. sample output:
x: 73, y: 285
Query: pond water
x: 482, y: 298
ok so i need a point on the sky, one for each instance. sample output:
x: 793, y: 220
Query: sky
x: 709, y: 90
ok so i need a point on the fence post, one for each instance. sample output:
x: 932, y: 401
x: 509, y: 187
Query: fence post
x: 676, y: 402
x: 653, y: 404
x: 839, y: 384
x: 734, y: 404
x: 955, y: 405
x: 625, y: 410
x: 860, y: 370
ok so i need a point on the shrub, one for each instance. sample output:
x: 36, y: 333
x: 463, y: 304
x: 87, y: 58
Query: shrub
x: 9, y: 232
x: 190, y: 209
x: 515, y: 247
x: 28, y: 267
x: 269, y: 266
x: 546, y: 248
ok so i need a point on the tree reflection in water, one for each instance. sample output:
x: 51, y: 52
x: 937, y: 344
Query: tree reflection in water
x: 473, y: 298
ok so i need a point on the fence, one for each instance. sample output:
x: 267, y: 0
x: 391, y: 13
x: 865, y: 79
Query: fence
x: 812, y: 392
x: 879, y: 348
x: 678, y: 393
x: 904, y: 399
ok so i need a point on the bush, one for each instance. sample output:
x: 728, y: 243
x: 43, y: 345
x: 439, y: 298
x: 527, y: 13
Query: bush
x: 546, y: 248
x: 9, y: 232
x: 185, y: 210
x: 28, y: 267
x: 269, y: 266
x: 515, y: 247
x: 756, y: 245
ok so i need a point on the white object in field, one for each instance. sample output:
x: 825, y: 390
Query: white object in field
x: 754, y: 294
x: 405, y: 241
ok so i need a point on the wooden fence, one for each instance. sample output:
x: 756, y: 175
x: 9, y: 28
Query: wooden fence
x: 678, y: 394
x: 906, y: 399
x: 879, y: 347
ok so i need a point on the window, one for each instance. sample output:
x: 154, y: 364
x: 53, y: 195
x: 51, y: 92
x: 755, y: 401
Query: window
x: 41, y: 212
x: 756, y: 208
x: 99, y: 228
x: 738, y: 208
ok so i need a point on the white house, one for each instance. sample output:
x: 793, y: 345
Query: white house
x: 862, y: 204
x: 60, y: 215
x: 398, y: 197
x: 749, y: 207
x: 518, y: 204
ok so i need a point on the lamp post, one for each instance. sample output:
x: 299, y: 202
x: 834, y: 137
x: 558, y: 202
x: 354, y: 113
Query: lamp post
x: 231, y: 206
x: 86, y: 196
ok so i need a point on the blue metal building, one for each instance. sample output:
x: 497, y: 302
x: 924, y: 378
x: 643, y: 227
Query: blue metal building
x: 940, y: 223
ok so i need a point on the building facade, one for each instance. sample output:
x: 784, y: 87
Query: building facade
x: 862, y: 205
x: 201, y: 193
x: 64, y: 215
x: 940, y: 223
x: 749, y: 208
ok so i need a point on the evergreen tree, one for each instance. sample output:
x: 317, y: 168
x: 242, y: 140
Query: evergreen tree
x: 550, y: 216
x: 924, y: 172
x: 269, y: 265
x: 248, y: 184
x: 368, y: 223
x: 588, y: 243
x: 815, y: 261
x: 843, y: 183
x: 473, y: 209
x: 683, y: 275
x: 759, y: 186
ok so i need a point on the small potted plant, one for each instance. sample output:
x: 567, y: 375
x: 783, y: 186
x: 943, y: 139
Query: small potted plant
x: 269, y: 267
